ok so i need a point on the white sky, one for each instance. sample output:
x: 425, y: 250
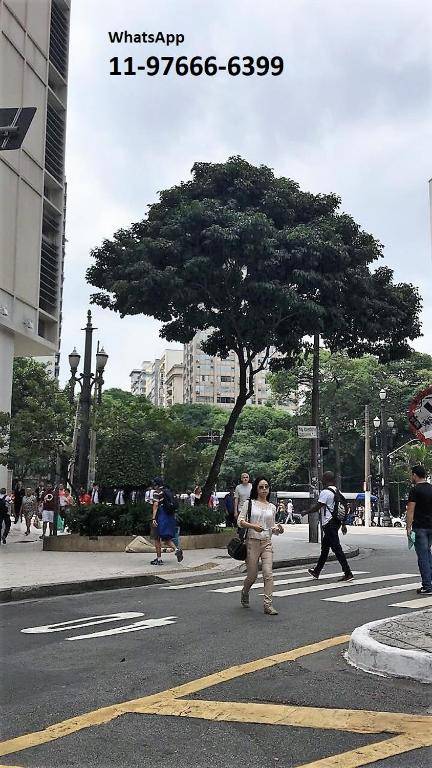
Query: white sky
x: 351, y: 114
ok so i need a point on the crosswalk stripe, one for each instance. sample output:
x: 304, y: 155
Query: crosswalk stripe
x: 225, y: 581
x: 341, y: 585
x: 419, y: 602
x: 355, y: 596
x: 279, y: 582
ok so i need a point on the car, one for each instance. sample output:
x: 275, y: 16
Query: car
x: 398, y: 522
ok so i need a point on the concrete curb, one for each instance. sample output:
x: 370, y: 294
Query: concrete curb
x: 77, y: 587
x: 121, y: 582
x: 367, y: 654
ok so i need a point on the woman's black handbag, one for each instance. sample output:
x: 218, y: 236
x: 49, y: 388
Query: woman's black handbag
x: 236, y: 548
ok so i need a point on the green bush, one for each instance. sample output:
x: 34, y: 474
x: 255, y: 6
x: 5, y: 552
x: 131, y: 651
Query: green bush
x: 199, y: 519
x: 135, y: 520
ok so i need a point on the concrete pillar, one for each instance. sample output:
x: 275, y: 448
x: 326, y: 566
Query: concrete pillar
x: 6, y: 368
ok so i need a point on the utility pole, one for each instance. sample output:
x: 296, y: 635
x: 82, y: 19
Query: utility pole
x: 315, y: 442
x: 385, y: 460
x: 367, y: 473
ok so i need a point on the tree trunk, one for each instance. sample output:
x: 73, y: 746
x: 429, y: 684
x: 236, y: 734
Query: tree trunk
x: 240, y: 403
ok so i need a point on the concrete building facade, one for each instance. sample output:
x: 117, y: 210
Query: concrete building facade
x: 161, y: 380
x: 171, y: 378
x: 34, y: 48
x: 140, y: 379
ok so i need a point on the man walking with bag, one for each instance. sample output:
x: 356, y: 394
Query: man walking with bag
x: 329, y: 502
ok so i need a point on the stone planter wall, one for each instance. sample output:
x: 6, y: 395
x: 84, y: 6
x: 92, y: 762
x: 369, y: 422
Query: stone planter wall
x: 77, y: 543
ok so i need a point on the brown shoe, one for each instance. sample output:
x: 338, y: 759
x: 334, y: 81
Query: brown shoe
x: 270, y: 611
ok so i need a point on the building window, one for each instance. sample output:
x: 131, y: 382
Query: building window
x: 227, y: 378
x: 226, y: 399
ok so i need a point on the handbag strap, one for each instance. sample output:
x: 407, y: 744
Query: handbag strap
x: 248, y: 518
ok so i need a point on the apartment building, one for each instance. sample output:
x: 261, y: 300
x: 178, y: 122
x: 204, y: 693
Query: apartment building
x: 140, y: 379
x: 161, y: 380
x: 171, y: 378
x: 212, y: 380
x: 34, y: 47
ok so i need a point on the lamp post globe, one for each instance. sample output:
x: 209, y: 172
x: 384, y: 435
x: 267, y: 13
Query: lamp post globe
x: 74, y: 360
x: 376, y: 422
x: 383, y: 394
x: 101, y: 360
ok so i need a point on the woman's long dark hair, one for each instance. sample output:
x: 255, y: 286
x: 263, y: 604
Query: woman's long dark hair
x: 255, y: 484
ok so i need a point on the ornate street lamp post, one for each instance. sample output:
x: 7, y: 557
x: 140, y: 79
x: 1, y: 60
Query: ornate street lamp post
x: 87, y: 380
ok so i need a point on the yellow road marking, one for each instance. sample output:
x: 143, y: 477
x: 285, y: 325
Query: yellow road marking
x: 372, y: 752
x: 354, y: 721
x: 412, y: 731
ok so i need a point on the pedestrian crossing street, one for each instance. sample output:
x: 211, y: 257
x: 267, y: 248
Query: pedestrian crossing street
x: 384, y: 585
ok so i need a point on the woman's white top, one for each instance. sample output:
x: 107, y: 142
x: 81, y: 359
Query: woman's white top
x: 261, y: 514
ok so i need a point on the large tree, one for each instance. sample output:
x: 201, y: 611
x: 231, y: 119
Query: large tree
x: 257, y: 263
x: 135, y: 440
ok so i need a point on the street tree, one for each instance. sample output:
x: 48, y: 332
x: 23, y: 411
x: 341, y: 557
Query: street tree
x: 346, y: 386
x: 40, y: 424
x: 136, y: 441
x: 257, y: 264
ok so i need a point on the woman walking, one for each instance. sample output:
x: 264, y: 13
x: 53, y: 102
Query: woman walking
x: 29, y: 508
x: 259, y: 519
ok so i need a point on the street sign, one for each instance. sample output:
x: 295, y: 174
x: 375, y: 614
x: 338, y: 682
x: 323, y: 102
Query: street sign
x: 420, y: 415
x: 308, y: 432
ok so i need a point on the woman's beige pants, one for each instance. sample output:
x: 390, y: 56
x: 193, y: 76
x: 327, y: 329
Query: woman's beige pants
x: 256, y: 549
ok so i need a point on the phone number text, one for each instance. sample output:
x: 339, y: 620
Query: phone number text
x: 198, y: 65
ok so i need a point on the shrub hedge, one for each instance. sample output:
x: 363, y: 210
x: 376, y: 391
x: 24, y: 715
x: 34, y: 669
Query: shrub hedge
x: 135, y: 520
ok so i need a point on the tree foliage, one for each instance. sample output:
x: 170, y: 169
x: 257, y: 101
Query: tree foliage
x: 40, y: 421
x: 135, y: 441
x: 346, y: 386
x: 256, y: 262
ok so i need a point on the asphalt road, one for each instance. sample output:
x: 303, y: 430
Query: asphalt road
x: 47, y: 678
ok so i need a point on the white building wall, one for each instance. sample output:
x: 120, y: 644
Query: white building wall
x: 33, y: 44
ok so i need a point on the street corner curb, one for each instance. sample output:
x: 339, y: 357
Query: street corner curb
x: 77, y: 587
x: 369, y: 655
x: 293, y: 561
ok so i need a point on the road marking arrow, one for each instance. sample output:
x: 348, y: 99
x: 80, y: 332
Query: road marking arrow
x: 135, y: 627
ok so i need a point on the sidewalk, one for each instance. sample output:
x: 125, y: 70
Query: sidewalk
x: 28, y: 572
x: 400, y: 646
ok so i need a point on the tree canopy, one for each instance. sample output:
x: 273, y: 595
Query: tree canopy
x: 40, y: 422
x: 258, y: 264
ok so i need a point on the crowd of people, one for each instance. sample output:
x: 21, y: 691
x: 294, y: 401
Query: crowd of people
x: 247, y: 507
x: 44, y: 505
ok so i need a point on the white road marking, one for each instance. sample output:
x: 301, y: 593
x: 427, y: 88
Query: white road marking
x: 419, y: 602
x: 279, y: 582
x: 64, y: 626
x: 355, y: 596
x: 135, y: 627
x: 341, y: 585
x: 224, y: 581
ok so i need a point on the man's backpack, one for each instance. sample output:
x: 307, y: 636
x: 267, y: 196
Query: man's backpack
x: 169, y: 501
x: 340, y: 506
